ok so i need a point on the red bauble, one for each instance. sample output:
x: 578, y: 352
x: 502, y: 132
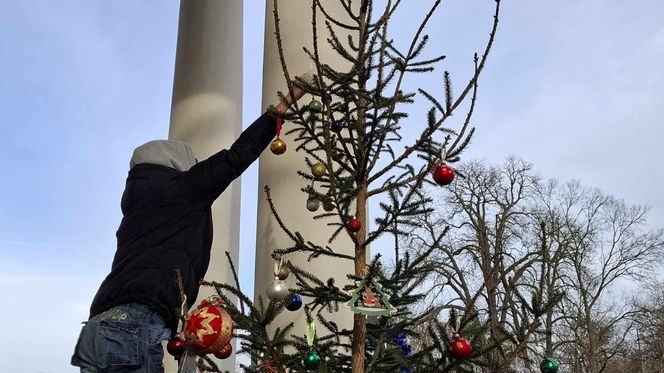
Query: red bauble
x: 354, y: 225
x: 443, y: 174
x: 209, y: 327
x: 224, y: 353
x: 175, y: 347
x: 460, y: 348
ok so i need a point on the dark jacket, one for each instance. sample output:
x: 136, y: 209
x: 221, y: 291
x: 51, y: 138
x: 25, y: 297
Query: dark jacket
x: 167, y: 225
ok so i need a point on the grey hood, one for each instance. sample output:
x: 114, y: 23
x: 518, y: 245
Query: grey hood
x: 170, y: 153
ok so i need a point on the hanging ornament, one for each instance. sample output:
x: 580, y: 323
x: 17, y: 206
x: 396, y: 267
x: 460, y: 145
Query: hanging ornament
x: 328, y: 206
x: 318, y: 169
x: 224, y: 353
x: 315, y: 106
x: 310, y: 331
x: 294, y: 303
x: 278, y: 146
x: 368, y: 346
x: 402, y: 341
x: 313, y: 204
x: 209, y: 327
x: 549, y: 365
x: 460, y: 348
x: 312, y: 360
x: 369, y: 299
x: 176, y: 347
x: 277, y: 290
x: 337, y: 126
x: 443, y: 174
x: 283, y: 272
x: 354, y: 225
x: 327, y: 99
x: 338, y: 155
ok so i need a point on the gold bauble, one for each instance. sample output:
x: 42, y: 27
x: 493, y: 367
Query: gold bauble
x: 283, y: 273
x: 318, y: 169
x: 278, y: 147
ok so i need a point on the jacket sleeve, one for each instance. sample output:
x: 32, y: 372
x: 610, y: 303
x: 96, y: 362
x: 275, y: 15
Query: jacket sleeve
x: 206, y: 180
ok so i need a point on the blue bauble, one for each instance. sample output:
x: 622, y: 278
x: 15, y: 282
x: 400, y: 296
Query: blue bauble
x: 400, y: 337
x: 337, y: 126
x: 294, y: 303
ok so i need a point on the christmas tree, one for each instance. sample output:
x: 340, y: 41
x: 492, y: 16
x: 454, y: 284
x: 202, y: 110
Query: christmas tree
x: 350, y: 135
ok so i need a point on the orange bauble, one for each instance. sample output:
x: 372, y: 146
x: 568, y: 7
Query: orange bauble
x: 209, y: 327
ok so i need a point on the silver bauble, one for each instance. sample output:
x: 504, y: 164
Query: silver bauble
x: 313, y: 204
x: 277, y: 290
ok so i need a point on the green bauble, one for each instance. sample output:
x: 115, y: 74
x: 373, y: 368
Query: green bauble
x: 312, y: 361
x: 549, y: 365
x: 315, y: 106
x: 313, y: 117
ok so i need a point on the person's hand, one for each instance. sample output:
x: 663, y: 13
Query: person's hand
x: 297, y: 93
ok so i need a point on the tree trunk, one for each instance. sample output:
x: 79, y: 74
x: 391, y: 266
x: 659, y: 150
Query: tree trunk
x: 359, y: 321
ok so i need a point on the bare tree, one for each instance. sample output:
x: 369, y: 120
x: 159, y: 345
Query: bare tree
x: 603, y: 242
x: 644, y: 350
x: 649, y: 332
x: 487, y: 263
x: 517, y: 246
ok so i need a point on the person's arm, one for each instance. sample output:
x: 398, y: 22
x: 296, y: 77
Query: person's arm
x: 206, y: 180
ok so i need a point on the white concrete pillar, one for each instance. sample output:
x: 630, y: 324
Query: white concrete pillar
x: 279, y: 172
x: 206, y: 112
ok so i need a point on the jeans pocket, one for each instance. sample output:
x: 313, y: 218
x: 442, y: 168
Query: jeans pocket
x: 155, y: 354
x: 118, y: 344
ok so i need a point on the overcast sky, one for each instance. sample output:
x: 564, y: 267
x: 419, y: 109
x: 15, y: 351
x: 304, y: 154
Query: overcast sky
x: 572, y: 86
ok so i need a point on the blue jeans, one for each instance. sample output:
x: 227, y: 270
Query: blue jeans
x: 126, y: 338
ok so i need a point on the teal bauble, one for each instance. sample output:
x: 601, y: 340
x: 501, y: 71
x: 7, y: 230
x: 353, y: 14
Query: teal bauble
x: 312, y: 360
x: 549, y: 365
